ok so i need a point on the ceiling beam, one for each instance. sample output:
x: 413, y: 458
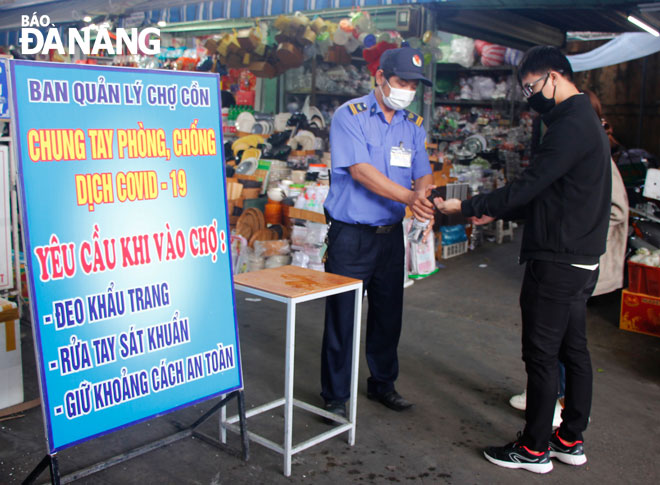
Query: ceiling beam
x: 500, y: 27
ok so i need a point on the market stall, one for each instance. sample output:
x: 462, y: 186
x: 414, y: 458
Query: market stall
x: 284, y: 75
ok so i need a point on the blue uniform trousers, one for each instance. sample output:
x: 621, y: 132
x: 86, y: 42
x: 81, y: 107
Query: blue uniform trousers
x: 376, y: 258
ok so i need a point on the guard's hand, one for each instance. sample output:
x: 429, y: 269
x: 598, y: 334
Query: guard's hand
x: 450, y: 206
x: 421, y: 208
x: 480, y: 221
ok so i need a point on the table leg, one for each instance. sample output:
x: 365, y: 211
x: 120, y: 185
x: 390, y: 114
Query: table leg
x: 357, y: 316
x: 288, y: 384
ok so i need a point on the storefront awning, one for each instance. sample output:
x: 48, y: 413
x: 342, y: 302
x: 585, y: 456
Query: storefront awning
x: 623, y: 48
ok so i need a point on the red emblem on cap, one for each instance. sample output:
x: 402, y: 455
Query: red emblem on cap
x: 417, y: 61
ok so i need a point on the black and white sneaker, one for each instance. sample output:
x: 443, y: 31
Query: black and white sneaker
x: 515, y: 455
x: 571, y: 454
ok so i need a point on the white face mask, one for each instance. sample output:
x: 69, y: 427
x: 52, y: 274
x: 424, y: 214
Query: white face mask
x: 398, y: 98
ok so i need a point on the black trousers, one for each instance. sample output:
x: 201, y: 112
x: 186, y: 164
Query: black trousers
x: 553, y: 304
x: 377, y: 259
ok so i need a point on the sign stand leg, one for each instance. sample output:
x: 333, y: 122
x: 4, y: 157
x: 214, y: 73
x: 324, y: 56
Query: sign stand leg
x: 50, y: 461
x: 245, y: 441
x: 54, y: 470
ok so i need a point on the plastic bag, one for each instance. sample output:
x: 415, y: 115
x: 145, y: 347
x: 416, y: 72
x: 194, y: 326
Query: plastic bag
x: 277, y: 260
x: 316, y: 234
x: 298, y: 236
x: 239, y: 253
x: 483, y: 87
x: 422, y: 257
x: 317, y: 267
x: 453, y: 234
x: 272, y: 248
x: 315, y: 255
x: 313, y: 198
x: 300, y: 259
x: 462, y: 51
x: 254, y: 261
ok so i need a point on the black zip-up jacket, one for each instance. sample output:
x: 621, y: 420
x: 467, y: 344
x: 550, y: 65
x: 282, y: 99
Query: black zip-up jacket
x: 564, y: 195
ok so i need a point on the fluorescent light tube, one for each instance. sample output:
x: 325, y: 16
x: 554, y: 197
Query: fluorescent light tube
x: 643, y: 26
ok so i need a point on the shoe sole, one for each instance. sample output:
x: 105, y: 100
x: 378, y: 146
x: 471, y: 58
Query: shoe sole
x: 530, y: 467
x: 569, y: 459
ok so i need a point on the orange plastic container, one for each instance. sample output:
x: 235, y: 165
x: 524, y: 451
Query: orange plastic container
x: 273, y: 212
x: 643, y: 279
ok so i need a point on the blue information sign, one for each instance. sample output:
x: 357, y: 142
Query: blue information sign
x: 4, y: 93
x: 123, y: 203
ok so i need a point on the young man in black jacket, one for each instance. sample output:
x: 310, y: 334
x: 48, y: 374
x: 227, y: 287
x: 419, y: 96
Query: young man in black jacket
x: 564, y: 199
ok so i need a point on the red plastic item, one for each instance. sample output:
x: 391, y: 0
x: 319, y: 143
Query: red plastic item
x: 372, y: 55
x: 493, y: 55
x: 643, y: 279
x: 245, y: 98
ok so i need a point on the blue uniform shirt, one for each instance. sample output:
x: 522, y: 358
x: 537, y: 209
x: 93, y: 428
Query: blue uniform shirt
x: 359, y: 133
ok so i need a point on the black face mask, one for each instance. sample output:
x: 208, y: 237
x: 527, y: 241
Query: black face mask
x: 540, y: 103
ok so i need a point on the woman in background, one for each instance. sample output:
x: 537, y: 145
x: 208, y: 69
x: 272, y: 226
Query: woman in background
x: 612, y: 263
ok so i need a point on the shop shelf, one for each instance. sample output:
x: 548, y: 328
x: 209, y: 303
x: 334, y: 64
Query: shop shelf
x: 441, y: 66
x: 320, y: 93
x: 470, y: 102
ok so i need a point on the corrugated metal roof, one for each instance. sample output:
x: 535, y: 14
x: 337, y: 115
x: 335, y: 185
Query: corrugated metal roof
x: 517, y: 23
x: 525, y: 23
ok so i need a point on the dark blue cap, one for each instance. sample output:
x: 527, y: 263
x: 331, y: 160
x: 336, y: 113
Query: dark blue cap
x: 405, y: 62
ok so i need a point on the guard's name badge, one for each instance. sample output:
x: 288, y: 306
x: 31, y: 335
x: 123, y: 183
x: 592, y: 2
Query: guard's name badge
x: 400, y: 157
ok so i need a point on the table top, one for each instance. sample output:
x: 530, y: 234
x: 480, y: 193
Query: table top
x: 292, y: 281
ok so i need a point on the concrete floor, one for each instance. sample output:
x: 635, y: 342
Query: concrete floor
x: 460, y: 363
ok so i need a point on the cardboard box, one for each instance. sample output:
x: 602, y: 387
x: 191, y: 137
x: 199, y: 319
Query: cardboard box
x: 640, y: 313
x: 11, y: 367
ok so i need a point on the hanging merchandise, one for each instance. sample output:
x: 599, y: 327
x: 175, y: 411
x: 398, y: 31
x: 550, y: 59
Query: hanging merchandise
x: 362, y: 22
x: 246, y: 48
x: 367, y: 39
x: 249, y: 39
x: 289, y: 55
x: 337, y: 54
x: 352, y: 45
x: 347, y: 26
x: 299, y: 39
x: 323, y: 41
x: 512, y: 57
x: 491, y: 54
x: 462, y: 51
x: 372, y: 55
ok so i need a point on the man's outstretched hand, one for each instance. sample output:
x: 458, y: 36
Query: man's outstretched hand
x: 449, y: 206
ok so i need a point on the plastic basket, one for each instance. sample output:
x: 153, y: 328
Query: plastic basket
x: 451, y: 250
x: 643, y: 279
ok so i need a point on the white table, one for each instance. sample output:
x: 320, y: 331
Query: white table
x: 293, y: 285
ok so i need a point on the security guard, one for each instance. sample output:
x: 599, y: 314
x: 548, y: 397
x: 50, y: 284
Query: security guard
x: 378, y: 149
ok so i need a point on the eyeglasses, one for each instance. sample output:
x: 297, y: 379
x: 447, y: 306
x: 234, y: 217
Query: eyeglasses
x: 528, y: 89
